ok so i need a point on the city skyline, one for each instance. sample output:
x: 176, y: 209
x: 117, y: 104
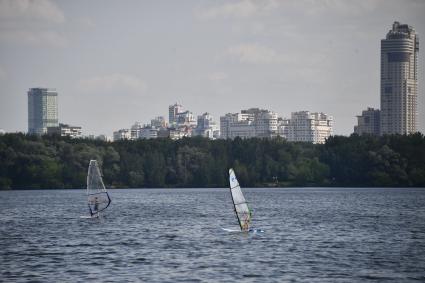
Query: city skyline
x: 121, y: 62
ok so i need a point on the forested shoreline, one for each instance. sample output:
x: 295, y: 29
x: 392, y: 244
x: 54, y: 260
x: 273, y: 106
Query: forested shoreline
x: 47, y: 162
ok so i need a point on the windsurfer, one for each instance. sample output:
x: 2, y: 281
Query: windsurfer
x: 96, y: 205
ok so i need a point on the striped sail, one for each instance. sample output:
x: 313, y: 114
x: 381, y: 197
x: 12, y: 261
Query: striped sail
x: 242, y: 211
x: 97, y: 196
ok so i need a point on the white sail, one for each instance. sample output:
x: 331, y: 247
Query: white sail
x: 243, y: 213
x: 97, y: 196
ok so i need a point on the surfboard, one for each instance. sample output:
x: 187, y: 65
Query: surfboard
x: 251, y: 230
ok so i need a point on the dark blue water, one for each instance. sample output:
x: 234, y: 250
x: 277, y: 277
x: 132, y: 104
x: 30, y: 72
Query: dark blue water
x: 175, y: 235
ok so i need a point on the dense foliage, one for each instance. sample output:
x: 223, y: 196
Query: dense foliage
x: 56, y: 162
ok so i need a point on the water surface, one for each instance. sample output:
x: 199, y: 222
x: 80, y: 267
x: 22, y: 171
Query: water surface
x: 175, y: 235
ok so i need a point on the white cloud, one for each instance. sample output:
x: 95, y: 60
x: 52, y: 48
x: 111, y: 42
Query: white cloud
x: 112, y: 83
x: 43, y: 10
x: 256, y: 54
x: 240, y: 9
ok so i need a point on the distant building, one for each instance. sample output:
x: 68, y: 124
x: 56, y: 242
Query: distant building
x: 250, y: 123
x: 175, y: 133
x: 159, y: 122
x: 236, y: 125
x: 283, y: 127
x: 135, y: 131
x: 207, y: 127
x: 309, y: 127
x: 173, y: 110
x: 42, y: 110
x: 148, y: 132
x: 65, y: 130
x: 185, y: 118
x: 399, y: 80
x: 368, y: 122
x: 123, y: 134
x: 2, y: 132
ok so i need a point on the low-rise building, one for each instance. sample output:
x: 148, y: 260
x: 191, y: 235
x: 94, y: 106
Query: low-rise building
x: 65, y: 130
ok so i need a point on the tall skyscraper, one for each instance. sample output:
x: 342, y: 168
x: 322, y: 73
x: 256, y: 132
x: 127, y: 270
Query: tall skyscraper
x: 42, y: 110
x: 399, y: 80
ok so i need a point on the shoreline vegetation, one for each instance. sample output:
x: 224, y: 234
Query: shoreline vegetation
x: 54, y: 162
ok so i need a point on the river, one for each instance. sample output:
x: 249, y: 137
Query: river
x: 176, y: 235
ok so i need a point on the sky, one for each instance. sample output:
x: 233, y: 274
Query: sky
x: 117, y: 62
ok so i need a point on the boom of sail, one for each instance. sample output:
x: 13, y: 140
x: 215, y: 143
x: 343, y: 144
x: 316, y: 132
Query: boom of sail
x: 97, y: 196
x: 242, y: 211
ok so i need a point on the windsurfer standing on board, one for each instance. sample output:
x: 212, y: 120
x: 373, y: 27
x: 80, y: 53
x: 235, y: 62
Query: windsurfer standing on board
x: 95, y: 206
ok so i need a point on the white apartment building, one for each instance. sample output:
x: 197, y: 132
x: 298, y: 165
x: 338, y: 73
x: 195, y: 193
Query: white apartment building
x: 283, y: 127
x: 148, y: 133
x: 250, y: 123
x: 185, y: 118
x: 65, y: 130
x: 309, y: 127
x: 123, y: 134
x: 207, y: 127
x: 135, y: 131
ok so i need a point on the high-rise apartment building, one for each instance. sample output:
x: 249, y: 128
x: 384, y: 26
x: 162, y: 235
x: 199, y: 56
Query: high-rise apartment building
x: 173, y: 110
x: 309, y: 127
x: 369, y: 122
x: 42, y: 110
x: 399, y: 80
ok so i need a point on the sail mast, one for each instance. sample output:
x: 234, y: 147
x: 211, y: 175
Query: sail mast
x: 234, y: 207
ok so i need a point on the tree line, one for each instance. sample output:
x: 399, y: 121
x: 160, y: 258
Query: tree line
x: 44, y: 162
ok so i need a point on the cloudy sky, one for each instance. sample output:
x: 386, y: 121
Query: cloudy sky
x: 117, y: 62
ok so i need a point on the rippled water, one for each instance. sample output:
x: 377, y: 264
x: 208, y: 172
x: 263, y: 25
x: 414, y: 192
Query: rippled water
x: 175, y: 235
